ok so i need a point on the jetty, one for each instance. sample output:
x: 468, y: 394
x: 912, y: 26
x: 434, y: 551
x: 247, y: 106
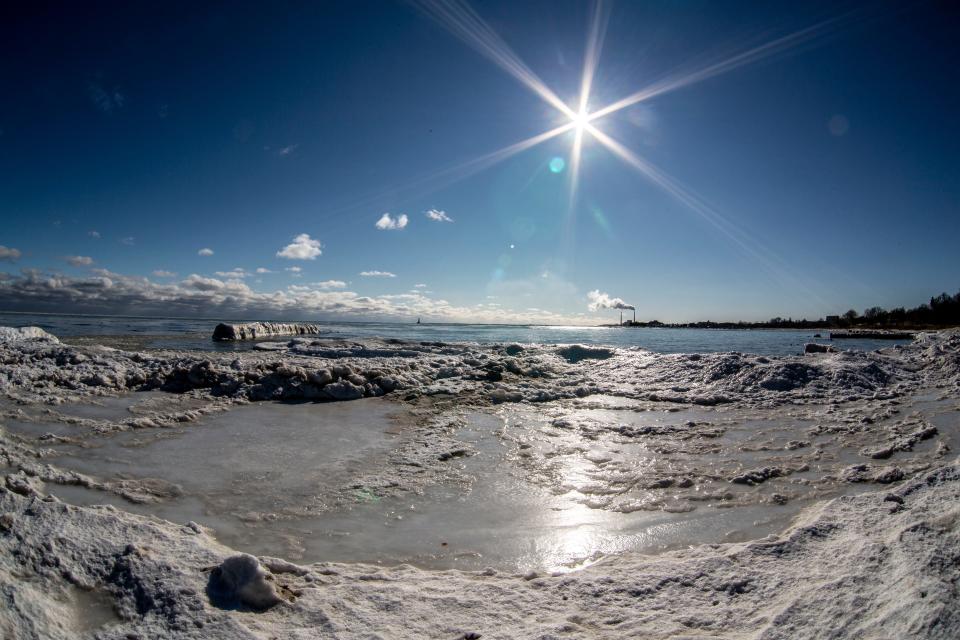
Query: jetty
x: 253, y: 330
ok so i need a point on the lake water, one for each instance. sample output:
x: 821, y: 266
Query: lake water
x: 196, y: 334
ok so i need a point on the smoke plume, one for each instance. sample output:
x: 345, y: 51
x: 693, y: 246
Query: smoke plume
x: 603, y: 301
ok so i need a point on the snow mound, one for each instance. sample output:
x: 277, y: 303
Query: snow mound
x: 18, y: 334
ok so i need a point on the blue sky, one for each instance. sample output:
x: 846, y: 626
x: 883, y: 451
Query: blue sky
x: 819, y: 177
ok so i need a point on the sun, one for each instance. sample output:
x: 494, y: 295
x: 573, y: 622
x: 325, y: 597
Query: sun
x: 580, y: 120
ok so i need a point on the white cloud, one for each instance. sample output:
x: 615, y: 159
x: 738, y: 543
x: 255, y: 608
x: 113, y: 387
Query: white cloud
x: 236, y: 273
x: 420, y: 286
x: 106, y: 273
x: 160, y: 273
x: 287, y: 150
x: 303, y: 247
x: 377, y: 274
x: 438, y: 216
x: 79, y: 261
x: 199, y: 283
x: 129, y: 241
x: 94, y: 234
x: 294, y: 269
x: 603, y: 301
x: 330, y: 284
x: 9, y: 254
x: 263, y: 270
x: 389, y: 223
x: 206, y: 251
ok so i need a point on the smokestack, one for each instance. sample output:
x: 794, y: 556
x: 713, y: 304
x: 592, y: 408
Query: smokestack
x: 634, y: 316
x: 621, y: 317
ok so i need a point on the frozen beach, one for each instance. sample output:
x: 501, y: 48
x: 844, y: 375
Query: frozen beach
x: 461, y: 489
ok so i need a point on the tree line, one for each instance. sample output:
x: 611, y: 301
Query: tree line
x: 942, y: 311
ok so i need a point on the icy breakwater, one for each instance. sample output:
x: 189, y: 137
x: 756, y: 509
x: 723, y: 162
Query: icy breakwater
x: 254, y: 330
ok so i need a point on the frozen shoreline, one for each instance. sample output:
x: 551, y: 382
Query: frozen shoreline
x: 875, y: 565
x: 833, y: 573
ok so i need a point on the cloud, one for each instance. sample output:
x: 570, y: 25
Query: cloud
x: 263, y: 270
x: 79, y: 261
x: 420, y: 286
x: 129, y: 240
x: 438, y: 216
x: 330, y: 284
x: 202, y: 297
x: 205, y: 252
x: 236, y: 273
x: 160, y: 273
x: 294, y: 269
x: 199, y: 283
x: 377, y: 274
x: 9, y: 254
x: 105, y: 100
x: 94, y: 234
x: 303, y: 247
x: 389, y: 223
x: 603, y: 301
x: 287, y: 150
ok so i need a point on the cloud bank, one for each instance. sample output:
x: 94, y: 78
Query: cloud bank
x: 377, y: 274
x: 198, y: 296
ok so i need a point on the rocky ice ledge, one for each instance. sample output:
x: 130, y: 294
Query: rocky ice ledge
x: 36, y: 367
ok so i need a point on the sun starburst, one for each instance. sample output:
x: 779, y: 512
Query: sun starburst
x: 460, y: 19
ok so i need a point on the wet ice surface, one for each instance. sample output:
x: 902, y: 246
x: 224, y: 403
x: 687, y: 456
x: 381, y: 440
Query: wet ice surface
x: 256, y: 459
x: 548, y: 487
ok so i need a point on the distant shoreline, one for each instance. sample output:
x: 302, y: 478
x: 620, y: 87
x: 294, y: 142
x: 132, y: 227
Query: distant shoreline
x: 629, y: 324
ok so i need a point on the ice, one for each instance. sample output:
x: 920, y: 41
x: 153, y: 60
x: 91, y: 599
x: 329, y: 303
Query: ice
x: 281, y: 479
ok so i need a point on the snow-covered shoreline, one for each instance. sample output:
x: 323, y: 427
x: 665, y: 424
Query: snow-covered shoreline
x: 878, y: 564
